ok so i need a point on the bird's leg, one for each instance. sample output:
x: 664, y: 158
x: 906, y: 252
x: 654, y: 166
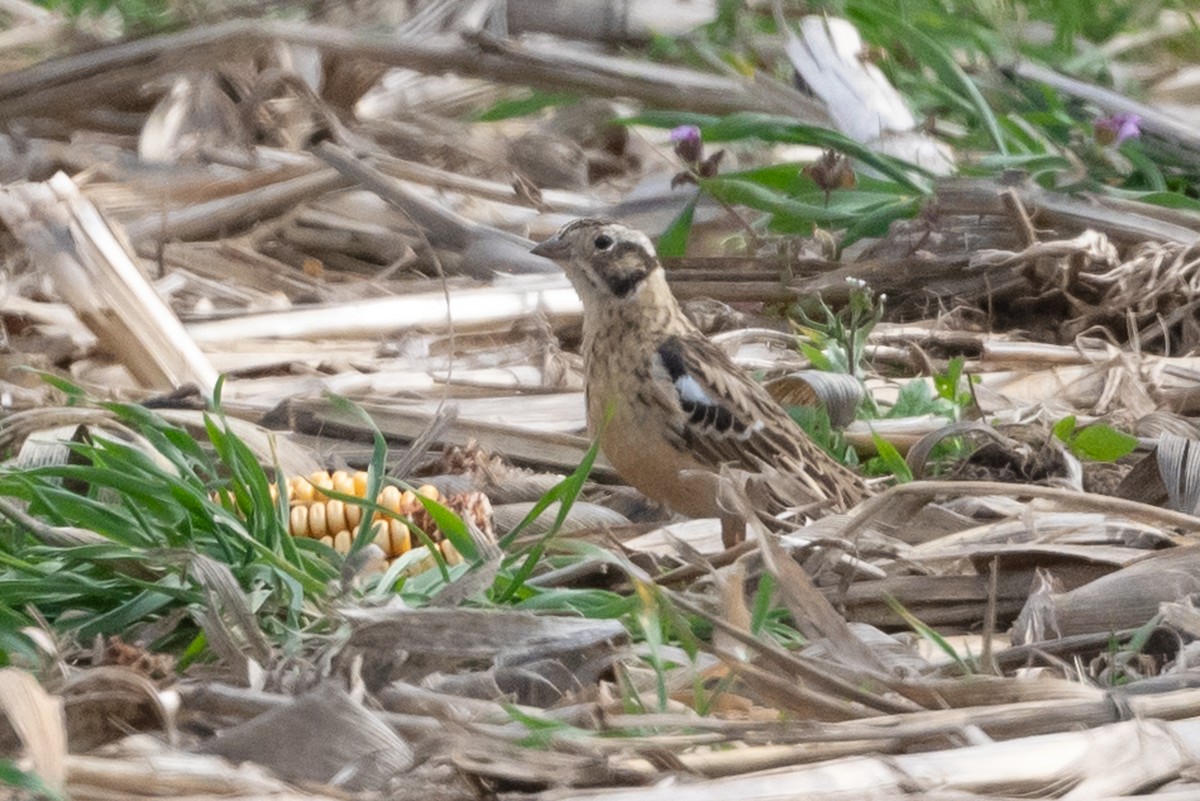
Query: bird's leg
x: 733, y: 529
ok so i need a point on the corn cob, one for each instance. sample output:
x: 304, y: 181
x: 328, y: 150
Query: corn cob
x: 334, y: 522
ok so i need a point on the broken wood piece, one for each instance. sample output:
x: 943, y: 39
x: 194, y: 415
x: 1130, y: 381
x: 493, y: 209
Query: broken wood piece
x: 494, y: 307
x: 1125, y: 599
x: 1134, y: 223
x: 322, y: 736
x: 94, y: 270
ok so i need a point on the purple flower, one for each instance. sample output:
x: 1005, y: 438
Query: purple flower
x: 1115, y: 129
x: 688, y: 145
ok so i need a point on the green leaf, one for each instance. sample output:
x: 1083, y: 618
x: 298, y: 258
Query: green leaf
x: 746, y: 193
x: 778, y: 128
x: 523, y: 106
x: 916, y: 398
x: 1065, y: 428
x: 927, y: 632
x: 814, y: 420
x: 673, y: 242
x: 1102, y: 443
x: 817, y: 357
x: 1170, y: 200
x: 876, y: 223
x: 591, y: 603
x: 74, y: 393
x: 947, y: 383
x: 30, y: 782
x: 1146, y: 166
x: 892, y: 459
x: 565, y: 493
x: 786, y: 177
x: 762, y: 602
x: 452, y: 525
x: 934, y: 54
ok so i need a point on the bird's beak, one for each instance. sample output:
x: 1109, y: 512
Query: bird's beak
x: 552, y: 248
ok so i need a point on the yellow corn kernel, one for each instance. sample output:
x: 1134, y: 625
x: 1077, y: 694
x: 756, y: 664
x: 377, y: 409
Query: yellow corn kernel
x: 298, y: 521
x: 354, y: 515
x: 342, y: 541
x: 399, y: 538
x: 451, y: 554
x: 343, y: 482
x: 408, y: 502
x: 274, y: 491
x: 421, y: 565
x: 320, y: 480
x: 379, y: 533
x: 429, y: 491
x: 360, y: 483
x: 389, y: 498
x: 302, y: 490
x: 327, y: 540
x: 318, y: 526
x: 335, y: 515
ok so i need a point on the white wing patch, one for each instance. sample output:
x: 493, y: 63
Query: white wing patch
x: 751, y: 430
x: 689, y: 390
x: 706, y: 416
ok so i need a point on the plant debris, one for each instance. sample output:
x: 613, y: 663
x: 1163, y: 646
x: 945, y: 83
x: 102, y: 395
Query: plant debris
x: 297, y: 499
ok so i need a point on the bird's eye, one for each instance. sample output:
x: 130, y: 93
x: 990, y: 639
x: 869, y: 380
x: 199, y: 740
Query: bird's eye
x: 603, y: 242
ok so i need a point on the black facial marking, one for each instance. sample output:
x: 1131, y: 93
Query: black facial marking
x: 622, y: 285
x: 624, y: 265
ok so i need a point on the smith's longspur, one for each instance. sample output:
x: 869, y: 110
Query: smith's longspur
x: 670, y: 406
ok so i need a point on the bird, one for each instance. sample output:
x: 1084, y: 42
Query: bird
x: 670, y: 407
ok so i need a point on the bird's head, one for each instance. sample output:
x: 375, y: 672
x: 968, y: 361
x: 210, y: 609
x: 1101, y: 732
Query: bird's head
x: 606, y: 262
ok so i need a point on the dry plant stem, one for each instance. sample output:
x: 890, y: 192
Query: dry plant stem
x: 751, y: 237
x: 873, y: 507
x: 553, y: 67
x: 557, y: 200
x: 1134, y: 223
x: 410, y: 205
x: 810, y: 609
x: 121, y: 69
x: 713, y: 763
x: 689, y: 573
x: 208, y: 219
x: 492, y: 249
x: 1025, y: 718
x: 986, y: 657
x: 795, y: 666
x: 1024, y: 655
x: 1017, y: 209
x: 549, y: 450
x: 1002, y: 720
x: 56, y: 536
x: 474, y: 308
x: 448, y: 228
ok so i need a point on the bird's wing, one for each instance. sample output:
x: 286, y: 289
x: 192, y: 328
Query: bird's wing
x: 726, y: 418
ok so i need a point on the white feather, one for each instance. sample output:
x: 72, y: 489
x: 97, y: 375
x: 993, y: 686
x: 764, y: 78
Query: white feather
x: 690, y: 390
